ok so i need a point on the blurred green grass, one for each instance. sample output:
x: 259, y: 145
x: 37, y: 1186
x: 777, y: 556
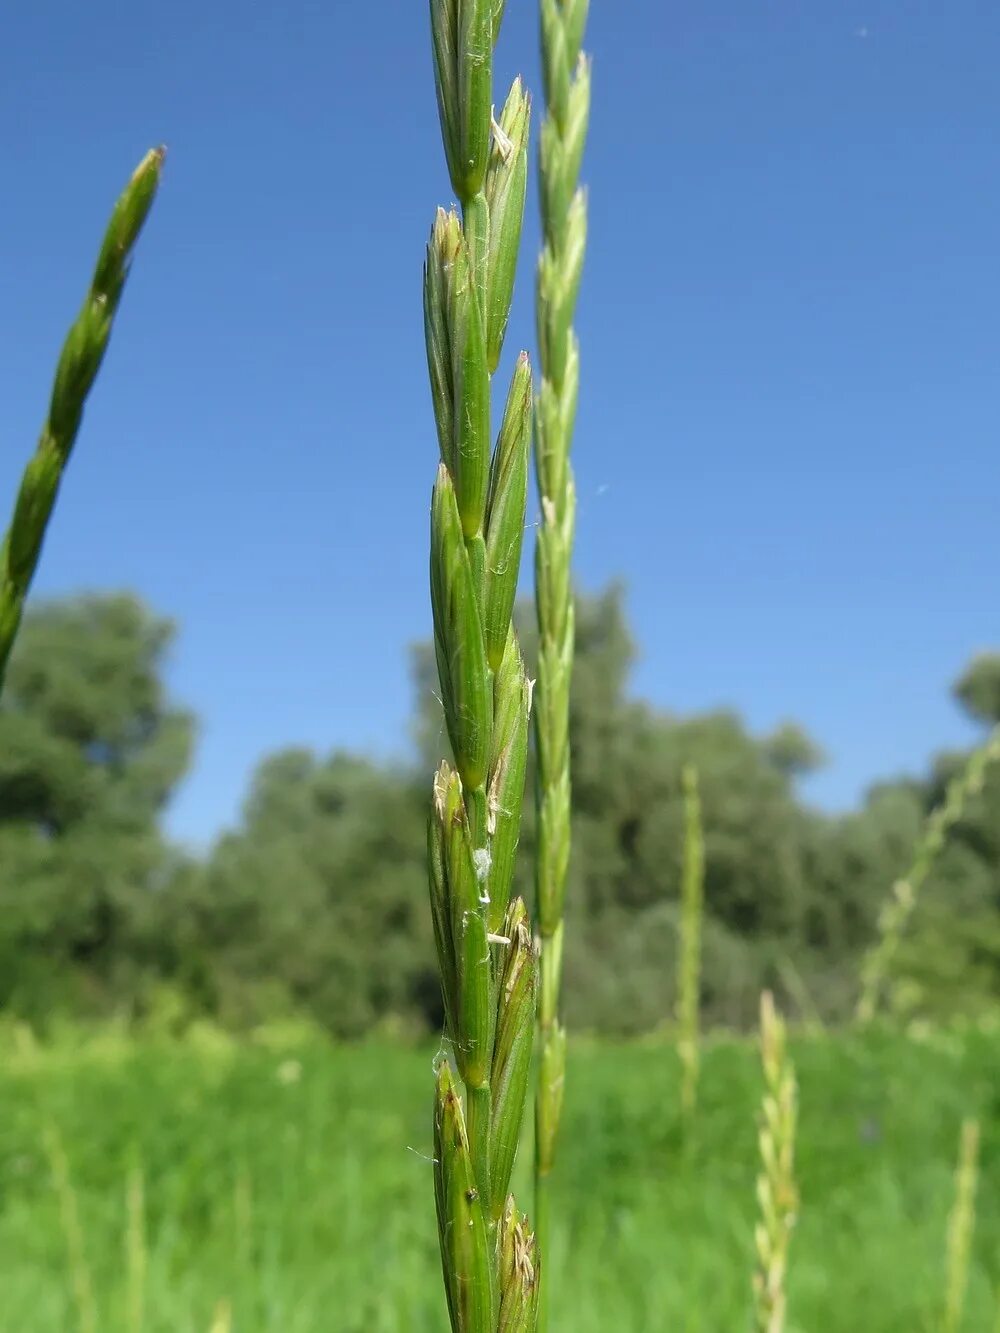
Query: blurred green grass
x: 289, y: 1177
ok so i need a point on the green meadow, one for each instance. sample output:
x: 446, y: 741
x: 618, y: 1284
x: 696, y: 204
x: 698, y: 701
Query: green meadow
x: 283, y: 1183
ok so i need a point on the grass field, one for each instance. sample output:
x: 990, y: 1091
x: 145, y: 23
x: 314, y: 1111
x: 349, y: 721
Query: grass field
x: 143, y: 1185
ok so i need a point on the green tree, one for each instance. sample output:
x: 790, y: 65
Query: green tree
x: 317, y: 902
x: 978, y: 688
x: 90, y: 751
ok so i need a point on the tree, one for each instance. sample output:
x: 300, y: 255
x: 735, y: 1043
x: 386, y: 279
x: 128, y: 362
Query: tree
x: 90, y: 751
x: 317, y: 901
x: 978, y: 688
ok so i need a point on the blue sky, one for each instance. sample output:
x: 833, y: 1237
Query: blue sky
x: 787, y: 439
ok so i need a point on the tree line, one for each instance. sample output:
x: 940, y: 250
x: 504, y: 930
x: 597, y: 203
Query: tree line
x: 315, y: 903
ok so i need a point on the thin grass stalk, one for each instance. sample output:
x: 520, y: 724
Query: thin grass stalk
x: 777, y: 1195
x: 484, y: 947
x: 899, y: 907
x: 136, y: 1249
x: 79, y: 363
x: 243, y: 1221
x: 689, y: 944
x: 69, y: 1218
x: 961, y: 1226
x: 566, y: 72
x: 798, y: 992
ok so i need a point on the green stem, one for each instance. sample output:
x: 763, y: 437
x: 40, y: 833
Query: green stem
x: 542, y: 1233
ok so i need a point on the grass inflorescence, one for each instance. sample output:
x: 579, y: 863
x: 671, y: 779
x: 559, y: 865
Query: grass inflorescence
x: 689, y: 942
x: 777, y: 1192
x: 485, y: 952
x: 79, y: 362
x: 566, y: 73
x: 899, y: 907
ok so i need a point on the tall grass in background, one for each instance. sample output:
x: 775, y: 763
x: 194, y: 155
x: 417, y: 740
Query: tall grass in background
x: 566, y: 73
x: 136, y: 1249
x: 961, y: 1225
x: 485, y: 953
x: 689, y: 943
x: 777, y: 1193
x: 341, y: 1234
x: 85, y: 1308
x: 79, y: 362
x: 899, y: 907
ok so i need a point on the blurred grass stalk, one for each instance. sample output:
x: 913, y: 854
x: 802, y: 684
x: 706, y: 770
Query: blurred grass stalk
x: 689, y: 944
x: 961, y: 1225
x: 136, y: 1249
x: 484, y: 947
x: 899, y: 907
x: 79, y: 363
x: 222, y: 1320
x: 243, y: 1221
x: 566, y: 72
x: 777, y: 1195
x: 69, y: 1219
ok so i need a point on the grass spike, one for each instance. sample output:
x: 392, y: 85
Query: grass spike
x: 899, y: 907
x: 961, y: 1225
x: 777, y: 1195
x: 485, y: 954
x: 689, y: 947
x: 77, y: 369
x: 566, y: 76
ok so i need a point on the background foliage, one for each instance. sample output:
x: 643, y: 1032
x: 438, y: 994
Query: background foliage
x: 315, y: 903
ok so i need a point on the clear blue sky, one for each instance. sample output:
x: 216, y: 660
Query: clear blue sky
x: 788, y: 433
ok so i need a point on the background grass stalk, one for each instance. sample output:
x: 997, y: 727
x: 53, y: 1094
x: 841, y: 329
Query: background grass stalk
x: 79, y: 363
x: 136, y: 1249
x: 564, y: 222
x: 485, y: 953
x: 777, y: 1195
x: 72, y: 1230
x: 961, y: 1225
x: 689, y: 943
x: 222, y: 1319
x: 899, y: 907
